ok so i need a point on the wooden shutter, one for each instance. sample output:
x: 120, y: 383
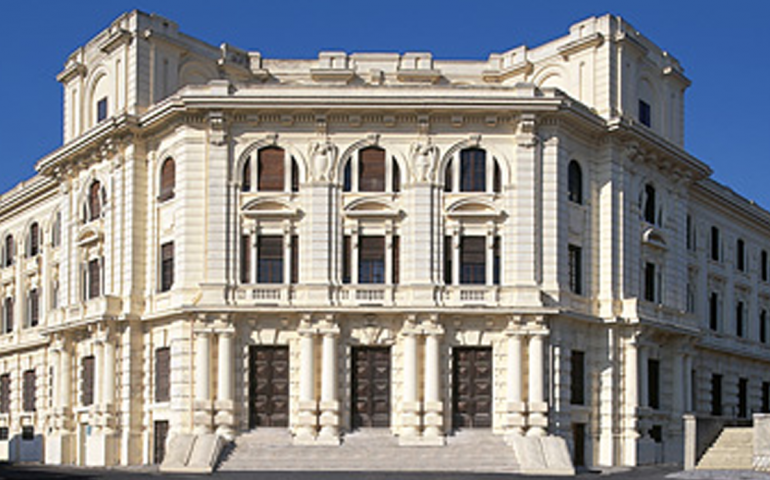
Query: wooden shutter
x: 87, y: 381
x: 5, y: 393
x: 29, y: 391
x: 346, y: 259
x: 245, y: 258
x: 396, y: 259
x: 167, y: 180
x: 162, y: 374
x: 294, y: 259
x: 167, y: 266
x: 371, y: 170
x: 94, y: 279
x: 270, y: 169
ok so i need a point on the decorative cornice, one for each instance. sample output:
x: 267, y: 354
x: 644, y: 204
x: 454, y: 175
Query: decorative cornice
x: 576, y: 46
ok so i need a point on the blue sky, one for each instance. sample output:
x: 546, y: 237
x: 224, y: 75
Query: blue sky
x: 722, y: 46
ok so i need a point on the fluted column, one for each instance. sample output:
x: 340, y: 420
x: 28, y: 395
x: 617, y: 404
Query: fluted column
x: 203, y: 407
x: 224, y: 405
x: 434, y: 407
x: 538, y: 409
x: 329, y: 407
x: 516, y: 409
x: 308, y: 405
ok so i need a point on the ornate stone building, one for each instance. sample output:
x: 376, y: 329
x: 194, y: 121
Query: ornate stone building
x: 227, y: 242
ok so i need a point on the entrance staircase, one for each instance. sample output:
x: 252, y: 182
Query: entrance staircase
x: 733, y: 450
x: 371, y: 450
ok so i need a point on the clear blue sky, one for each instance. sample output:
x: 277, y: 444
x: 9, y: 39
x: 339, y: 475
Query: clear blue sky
x: 723, y: 47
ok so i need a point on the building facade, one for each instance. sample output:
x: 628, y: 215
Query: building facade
x: 227, y: 242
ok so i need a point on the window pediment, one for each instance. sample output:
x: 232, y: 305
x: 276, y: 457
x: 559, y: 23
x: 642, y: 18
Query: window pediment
x: 88, y: 236
x: 269, y: 207
x: 654, y: 238
x: 474, y: 208
x: 369, y: 207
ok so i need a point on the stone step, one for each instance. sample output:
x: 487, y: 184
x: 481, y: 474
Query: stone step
x: 732, y: 450
x: 376, y: 450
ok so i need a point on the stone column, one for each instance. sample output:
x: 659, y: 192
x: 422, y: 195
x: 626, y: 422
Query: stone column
x: 515, y: 407
x: 308, y: 406
x: 538, y: 409
x: 99, y: 374
x: 57, y: 448
x: 434, y: 407
x: 225, y: 420
x: 203, y: 408
x: 330, y: 406
x: 410, y: 415
x: 108, y: 394
x: 631, y: 407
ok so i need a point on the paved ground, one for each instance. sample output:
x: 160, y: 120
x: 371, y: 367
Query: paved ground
x: 645, y: 473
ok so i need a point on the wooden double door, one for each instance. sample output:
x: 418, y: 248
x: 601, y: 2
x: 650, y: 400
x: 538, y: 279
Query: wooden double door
x: 370, y: 387
x: 268, y: 386
x: 471, y: 387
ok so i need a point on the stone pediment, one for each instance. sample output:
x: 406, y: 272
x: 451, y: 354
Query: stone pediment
x: 269, y: 207
x: 654, y: 238
x: 371, y: 207
x: 88, y: 235
x: 479, y: 208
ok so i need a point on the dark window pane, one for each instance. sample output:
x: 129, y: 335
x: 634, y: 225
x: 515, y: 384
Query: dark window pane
x: 34, y: 240
x: 270, y: 169
x: 448, y: 260
x: 448, y: 177
x: 649, y: 282
x: 101, y: 109
x: 496, y: 259
x: 87, y: 381
x: 473, y: 260
x: 497, y: 179
x: 167, y: 266
x: 162, y: 374
x: 294, y: 259
x: 167, y: 180
x: 347, y: 177
x: 396, y: 259
x: 715, y: 244
x: 714, y: 311
x: 743, y: 393
x: 653, y: 383
x: 246, y: 176
x: 371, y: 259
x: 346, y: 259
x: 270, y: 259
x: 740, y: 255
x: 739, y: 319
x: 649, y: 203
x: 575, y: 182
x: 28, y: 400
x: 473, y: 170
x: 576, y: 269
x: 94, y: 279
x: 95, y: 201
x: 245, y: 258
x: 645, y: 113
x: 5, y: 393
x: 371, y: 170
x: 577, y: 375
x: 716, y: 394
x: 294, y: 175
x: 34, y: 308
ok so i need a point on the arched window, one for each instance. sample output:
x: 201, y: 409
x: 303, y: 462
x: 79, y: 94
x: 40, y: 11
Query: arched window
x: 575, y: 182
x: 270, y: 169
x: 8, y: 251
x: 473, y: 171
x: 167, y: 180
x: 371, y: 170
x: 94, y: 201
x: 34, y: 240
x: 649, y: 203
x: 246, y: 176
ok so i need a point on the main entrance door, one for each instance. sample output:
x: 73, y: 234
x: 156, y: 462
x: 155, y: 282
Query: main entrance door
x: 371, y: 387
x: 472, y: 387
x: 268, y: 386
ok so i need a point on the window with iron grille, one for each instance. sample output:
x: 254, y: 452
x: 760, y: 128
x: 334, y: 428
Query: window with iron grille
x: 473, y: 260
x: 28, y: 397
x: 371, y: 259
x: 473, y: 170
x: 166, y: 266
x: 162, y: 374
x: 167, y: 180
x: 371, y: 170
x: 5, y: 393
x: 87, y: 365
x: 270, y: 259
x: 270, y: 169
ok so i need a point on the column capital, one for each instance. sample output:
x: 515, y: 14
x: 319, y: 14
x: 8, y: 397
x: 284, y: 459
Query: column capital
x: 431, y: 328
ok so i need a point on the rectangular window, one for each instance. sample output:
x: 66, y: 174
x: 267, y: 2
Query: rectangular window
x: 740, y: 255
x: 4, y: 434
x: 579, y: 444
x: 87, y: 365
x: 739, y: 319
x: 716, y: 394
x: 653, y: 383
x: 27, y: 433
x: 396, y: 258
x: 473, y: 260
x: 743, y: 394
x: 347, y: 252
x: 5, y: 393
x: 270, y: 169
x: 763, y: 266
x: 245, y: 258
x: 448, y: 251
x: 166, y: 266
x: 473, y: 170
x: 715, y: 245
x: 575, y: 269
x: 645, y: 113
x: 101, y: 109
x: 94, y: 279
x: 689, y: 233
x: 371, y: 170
x: 162, y: 374
x: 28, y: 398
x: 371, y: 259
x: 34, y: 308
x: 8, y: 314
x: 270, y: 259
x: 577, y: 377
x: 649, y: 282
x: 294, y: 259
x: 294, y: 175
x: 496, y: 259
x: 765, y: 397
x: 714, y: 311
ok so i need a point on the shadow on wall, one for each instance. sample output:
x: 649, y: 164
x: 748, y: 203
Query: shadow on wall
x: 22, y: 448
